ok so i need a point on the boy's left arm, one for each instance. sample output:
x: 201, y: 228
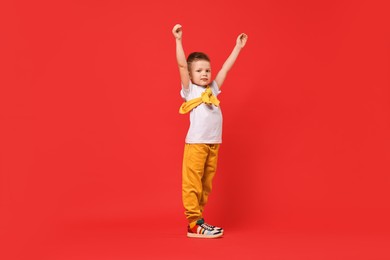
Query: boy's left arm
x: 240, y: 43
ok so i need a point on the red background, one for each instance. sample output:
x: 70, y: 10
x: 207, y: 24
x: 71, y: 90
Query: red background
x: 91, y: 140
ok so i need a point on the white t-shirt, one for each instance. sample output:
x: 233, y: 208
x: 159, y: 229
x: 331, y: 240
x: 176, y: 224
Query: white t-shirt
x: 205, y: 120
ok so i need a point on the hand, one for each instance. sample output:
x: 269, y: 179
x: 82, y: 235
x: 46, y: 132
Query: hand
x: 177, y: 31
x: 241, y: 40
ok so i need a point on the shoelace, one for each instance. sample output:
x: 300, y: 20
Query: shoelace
x: 208, y: 225
x: 205, y: 226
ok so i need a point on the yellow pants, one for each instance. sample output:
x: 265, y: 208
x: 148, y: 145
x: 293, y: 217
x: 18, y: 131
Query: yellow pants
x: 199, y: 167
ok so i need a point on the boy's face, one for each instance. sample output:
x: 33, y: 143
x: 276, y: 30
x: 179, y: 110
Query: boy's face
x: 200, y: 72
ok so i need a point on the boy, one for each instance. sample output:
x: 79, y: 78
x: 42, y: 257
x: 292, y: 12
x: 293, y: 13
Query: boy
x: 205, y: 133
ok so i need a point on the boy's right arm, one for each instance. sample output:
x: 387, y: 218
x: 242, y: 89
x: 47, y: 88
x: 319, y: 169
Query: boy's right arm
x: 180, y: 56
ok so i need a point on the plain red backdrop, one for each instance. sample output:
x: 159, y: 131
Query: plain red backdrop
x: 91, y: 138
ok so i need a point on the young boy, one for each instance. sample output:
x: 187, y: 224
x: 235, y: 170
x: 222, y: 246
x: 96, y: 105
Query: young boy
x: 205, y: 133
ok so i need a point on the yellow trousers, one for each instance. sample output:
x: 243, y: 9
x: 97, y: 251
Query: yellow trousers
x: 199, y: 167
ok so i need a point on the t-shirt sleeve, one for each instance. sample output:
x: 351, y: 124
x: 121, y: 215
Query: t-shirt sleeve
x: 184, y: 93
x: 214, y: 87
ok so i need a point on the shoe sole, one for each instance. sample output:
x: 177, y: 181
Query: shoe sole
x: 191, y: 235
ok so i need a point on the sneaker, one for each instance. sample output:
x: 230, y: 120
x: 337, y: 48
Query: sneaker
x: 201, y: 221
x: 214, y: 227
x: 203, y: 230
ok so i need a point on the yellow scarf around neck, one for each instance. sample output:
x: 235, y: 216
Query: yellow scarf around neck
x: 207, y: 97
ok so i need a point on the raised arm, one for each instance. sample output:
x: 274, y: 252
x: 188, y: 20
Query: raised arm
x: 181, y: 57
x: 240, y: 43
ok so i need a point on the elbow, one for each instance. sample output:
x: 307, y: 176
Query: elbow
x: 183, y: 66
